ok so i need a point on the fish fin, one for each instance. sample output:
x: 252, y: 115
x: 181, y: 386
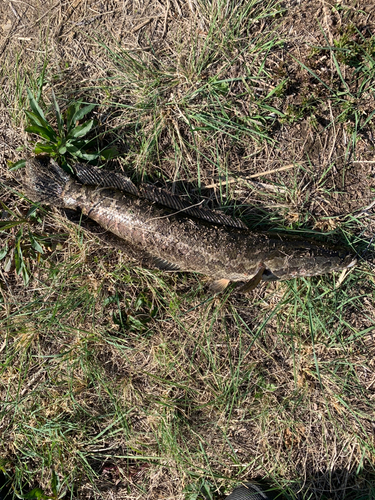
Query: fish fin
x: 254, y: 282
x: 184, y: 207
x: 218, y: 286
x: 44, y: 181
x: 165, y: 265
x: 94, y: 176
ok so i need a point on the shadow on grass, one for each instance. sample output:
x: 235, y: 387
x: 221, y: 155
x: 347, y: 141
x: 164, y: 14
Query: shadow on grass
x: 329, y: 485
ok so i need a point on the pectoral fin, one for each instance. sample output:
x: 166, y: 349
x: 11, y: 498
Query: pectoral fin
x: 254, y: 282
x: 219, y: 285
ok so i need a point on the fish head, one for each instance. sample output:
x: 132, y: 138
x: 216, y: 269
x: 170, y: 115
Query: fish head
x: 313, y: 261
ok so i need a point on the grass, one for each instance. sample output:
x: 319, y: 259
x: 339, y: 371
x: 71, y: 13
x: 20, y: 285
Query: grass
x: 349, y: 97
x: 116, y: 378
x: 178, y: 99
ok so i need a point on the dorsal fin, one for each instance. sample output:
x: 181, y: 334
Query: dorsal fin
x: 184, y: 207
x: 98, y: 177
x: 94, y: 176
x: 165, y: 265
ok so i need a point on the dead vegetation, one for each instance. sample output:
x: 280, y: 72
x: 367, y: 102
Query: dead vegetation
x: 121, y: 382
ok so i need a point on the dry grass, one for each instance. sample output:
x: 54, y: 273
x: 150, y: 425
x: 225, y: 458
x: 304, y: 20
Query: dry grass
x: 121, y: 382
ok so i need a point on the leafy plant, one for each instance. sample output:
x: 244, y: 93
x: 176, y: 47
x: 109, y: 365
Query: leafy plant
x: 69, y: 141
x: 132, y: 315
x: 22, y: 247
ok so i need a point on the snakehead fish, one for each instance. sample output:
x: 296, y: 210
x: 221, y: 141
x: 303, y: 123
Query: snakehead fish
x: 180, y: 239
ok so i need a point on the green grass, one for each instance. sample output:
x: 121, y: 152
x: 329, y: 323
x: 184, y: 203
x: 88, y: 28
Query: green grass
x: 350, y: 82
x: 114, y: 374
x: 85, y: 392
x: 177, y: 101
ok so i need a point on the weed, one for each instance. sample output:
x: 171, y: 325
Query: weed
x: 354, y: 49
x: 307, y: 108
x: 351, y: 100
x: 22, y: 247
x: 69, y: 142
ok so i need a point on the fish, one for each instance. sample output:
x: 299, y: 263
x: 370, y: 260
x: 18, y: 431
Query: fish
x: 178, y: 236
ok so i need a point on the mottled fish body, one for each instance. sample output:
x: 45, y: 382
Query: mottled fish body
x: 182, y: 243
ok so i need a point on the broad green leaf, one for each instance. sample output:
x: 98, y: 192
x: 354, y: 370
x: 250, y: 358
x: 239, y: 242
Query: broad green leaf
x: 36, y: 120
x: 80, y: 113
x: 32, y: 211
x: 71, y: 148
x: 35, y: 244
x: 65, y: 166
x: 18, y: 259
x: 44, y: 148
x: 43, y: 132
x: 25, y: 274
x: 78, y: 143
x: 36, y: 494
x: 60, y: 123
x: 109, y: 153
x: 81, y: 130
x: 62, y: 150
x: 78, y: 153
x: 35, y: 106
x: 70, y: 114
x: 86, y: 156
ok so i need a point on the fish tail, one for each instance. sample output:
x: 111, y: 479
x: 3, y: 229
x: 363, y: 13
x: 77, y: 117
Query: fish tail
x: 44, y: 181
